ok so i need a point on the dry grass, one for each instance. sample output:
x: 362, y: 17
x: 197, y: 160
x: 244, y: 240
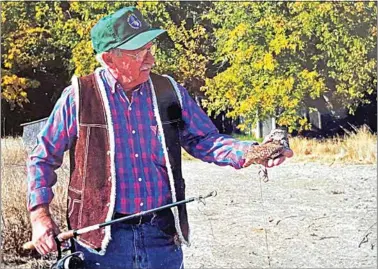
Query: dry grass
x: 15, y: 217
x: 356, y: 147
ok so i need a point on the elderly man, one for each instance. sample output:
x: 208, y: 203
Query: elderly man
x: 124, y: 127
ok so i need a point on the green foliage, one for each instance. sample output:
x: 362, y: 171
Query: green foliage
x: 252, y: 59
x: 184, y: 54
x: 246, y: 137
x: 39, y: 36
x: 14, y: 88
x: 280, y: 55
x: 25, y: 46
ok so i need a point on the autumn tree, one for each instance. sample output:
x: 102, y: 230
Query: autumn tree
x: 45, y: 43
x: 32, y: 62
x: 39, y: 36
x: 258, y: 59
x: 277, y: 58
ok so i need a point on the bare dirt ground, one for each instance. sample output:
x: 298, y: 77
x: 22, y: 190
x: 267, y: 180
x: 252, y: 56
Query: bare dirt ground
x: 312, y: 215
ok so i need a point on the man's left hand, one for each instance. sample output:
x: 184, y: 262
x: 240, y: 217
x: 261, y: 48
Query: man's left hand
x: 260, y: 154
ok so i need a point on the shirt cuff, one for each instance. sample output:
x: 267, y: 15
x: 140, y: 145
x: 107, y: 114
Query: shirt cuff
x: 39, y: 196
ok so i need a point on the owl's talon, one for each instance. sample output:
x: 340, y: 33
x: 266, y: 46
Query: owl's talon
x: 263, y: 174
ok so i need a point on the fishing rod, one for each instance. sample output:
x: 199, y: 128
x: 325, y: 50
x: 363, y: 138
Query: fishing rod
x: 77, y: 256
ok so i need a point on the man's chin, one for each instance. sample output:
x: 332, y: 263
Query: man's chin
x: 145, y: 74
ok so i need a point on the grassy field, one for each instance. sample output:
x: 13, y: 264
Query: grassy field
x: 359, y: 147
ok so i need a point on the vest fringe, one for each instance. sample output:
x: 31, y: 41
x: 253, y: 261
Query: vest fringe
x: 110, y: 126
x: 75, y: 85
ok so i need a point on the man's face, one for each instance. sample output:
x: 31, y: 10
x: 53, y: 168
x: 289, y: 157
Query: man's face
x: 131, y: 67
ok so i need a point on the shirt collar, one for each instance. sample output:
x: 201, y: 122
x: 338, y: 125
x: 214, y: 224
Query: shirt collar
x: 114, y: 84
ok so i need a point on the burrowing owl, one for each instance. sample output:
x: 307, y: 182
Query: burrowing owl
x: 272, y: 147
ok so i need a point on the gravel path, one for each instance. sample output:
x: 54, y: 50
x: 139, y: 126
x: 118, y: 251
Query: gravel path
x: 313, y: 215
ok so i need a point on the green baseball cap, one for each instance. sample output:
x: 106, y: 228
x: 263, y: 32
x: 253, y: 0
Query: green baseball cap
x: 124, y: 29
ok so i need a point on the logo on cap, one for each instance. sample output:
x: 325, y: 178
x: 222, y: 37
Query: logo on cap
x: 134, y: 22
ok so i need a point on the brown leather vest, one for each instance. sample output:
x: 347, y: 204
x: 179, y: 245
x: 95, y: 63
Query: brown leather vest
x: 91, y: 192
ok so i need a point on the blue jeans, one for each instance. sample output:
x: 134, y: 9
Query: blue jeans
x: 136, y: 246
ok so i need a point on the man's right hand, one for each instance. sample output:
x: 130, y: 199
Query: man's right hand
x: 44, y: 230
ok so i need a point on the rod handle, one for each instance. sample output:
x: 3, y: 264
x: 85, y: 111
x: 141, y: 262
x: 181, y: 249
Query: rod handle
x: 66, y: 235
x: 28, y: 245
x: 60, y: 237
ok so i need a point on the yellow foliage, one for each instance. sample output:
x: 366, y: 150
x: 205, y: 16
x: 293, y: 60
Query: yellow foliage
x: 83, y: 58
x: 14, y: 89
x: 268, y: 62
x: 359, y: 6
x: 234, y: 37
x: 279, y: 43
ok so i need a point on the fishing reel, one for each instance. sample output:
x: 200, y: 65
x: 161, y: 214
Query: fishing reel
x: 74, y: 260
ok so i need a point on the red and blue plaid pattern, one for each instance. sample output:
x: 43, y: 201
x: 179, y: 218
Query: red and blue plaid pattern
x: 141, y: 176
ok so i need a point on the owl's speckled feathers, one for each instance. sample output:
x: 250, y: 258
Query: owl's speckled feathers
x: 272, y: 147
